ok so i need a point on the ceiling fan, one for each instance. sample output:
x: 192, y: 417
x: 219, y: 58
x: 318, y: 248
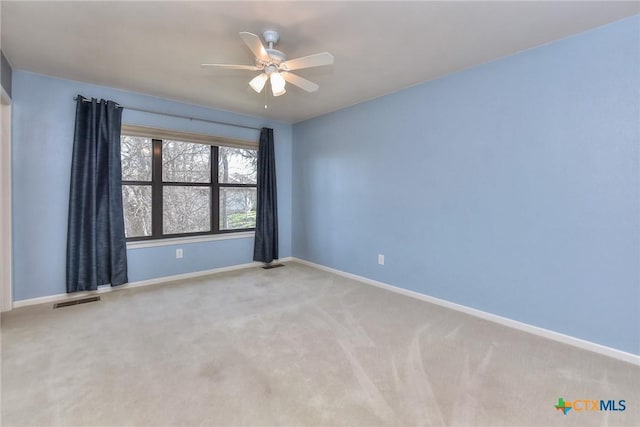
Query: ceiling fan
x: 274, y: 64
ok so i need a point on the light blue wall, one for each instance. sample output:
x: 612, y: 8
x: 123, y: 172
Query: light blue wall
x: 512, y: 187
x: 43, y: 123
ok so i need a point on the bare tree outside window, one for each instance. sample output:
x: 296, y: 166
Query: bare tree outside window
x: 186, y: 209
x: 168, y: 190
x: 136, y: 199
x: 186, y: 162
x: 239, y: 207
x: 135, y: 153
x: 137, y: 208
x: 237, y: 204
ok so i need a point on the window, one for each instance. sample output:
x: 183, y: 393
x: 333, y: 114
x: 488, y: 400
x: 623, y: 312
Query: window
x: 176, y: 184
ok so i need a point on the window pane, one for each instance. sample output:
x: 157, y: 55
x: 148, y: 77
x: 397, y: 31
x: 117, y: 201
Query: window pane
x: 136, y: 201
x: 186, y: 209
x: 135, y: 153
x: 186, y: 162
x: 237, y: 165
x: 237, y: 208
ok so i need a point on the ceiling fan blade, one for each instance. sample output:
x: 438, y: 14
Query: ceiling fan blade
x: 255, y: 44
x: 324, y: 58
x: 302, y: 83
x: 233, y: 67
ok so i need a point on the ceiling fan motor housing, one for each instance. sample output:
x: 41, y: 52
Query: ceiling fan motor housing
x: 271, y: 38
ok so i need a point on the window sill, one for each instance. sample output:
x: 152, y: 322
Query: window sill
x: 185, y: 240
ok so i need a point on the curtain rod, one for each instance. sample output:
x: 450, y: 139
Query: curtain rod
x: 177, y: 115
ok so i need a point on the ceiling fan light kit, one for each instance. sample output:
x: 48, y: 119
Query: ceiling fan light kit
x: 274, y: 66
x: 277, y: 84
x: 258, y: 82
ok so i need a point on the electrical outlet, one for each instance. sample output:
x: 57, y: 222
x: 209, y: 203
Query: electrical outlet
x: 179, y: 253
x: 381, y: 259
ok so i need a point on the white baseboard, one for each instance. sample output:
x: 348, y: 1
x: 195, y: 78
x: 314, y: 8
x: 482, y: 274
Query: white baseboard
x: 156, y: 281
x: 546, y: 333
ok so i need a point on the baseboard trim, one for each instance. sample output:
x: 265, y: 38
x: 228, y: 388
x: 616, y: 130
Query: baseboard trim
x: 505, y: 321
x: 149, y: 282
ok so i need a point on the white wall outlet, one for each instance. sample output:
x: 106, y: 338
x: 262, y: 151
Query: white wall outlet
x: 381, y: 259
x: 179, y: 253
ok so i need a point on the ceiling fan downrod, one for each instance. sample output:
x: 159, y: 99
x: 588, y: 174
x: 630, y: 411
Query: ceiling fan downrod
x: 271, y: 37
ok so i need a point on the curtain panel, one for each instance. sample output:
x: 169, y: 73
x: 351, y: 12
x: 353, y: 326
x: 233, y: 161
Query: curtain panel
x: 96, y: 246
x: 266, y: 241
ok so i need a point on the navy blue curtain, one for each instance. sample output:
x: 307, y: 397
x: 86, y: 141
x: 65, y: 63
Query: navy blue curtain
x: 265, y: 247
x: 96, y: 247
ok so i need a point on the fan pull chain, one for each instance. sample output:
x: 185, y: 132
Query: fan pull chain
x: 265, y: 97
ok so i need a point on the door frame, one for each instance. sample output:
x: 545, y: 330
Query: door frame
x: 6, y: 243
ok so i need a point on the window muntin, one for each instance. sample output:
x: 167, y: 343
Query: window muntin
x: 174, y: 188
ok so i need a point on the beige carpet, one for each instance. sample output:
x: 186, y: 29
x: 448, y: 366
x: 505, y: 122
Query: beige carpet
x: 291, y: 346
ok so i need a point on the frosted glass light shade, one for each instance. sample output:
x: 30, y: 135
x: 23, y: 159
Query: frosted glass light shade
x: 277, y: 84
x: 257, y: 83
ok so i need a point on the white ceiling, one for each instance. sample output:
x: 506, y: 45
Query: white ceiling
x: 379, y: 47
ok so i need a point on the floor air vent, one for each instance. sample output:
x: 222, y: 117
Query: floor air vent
x: 270, y: 266
x: 76, y: 302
